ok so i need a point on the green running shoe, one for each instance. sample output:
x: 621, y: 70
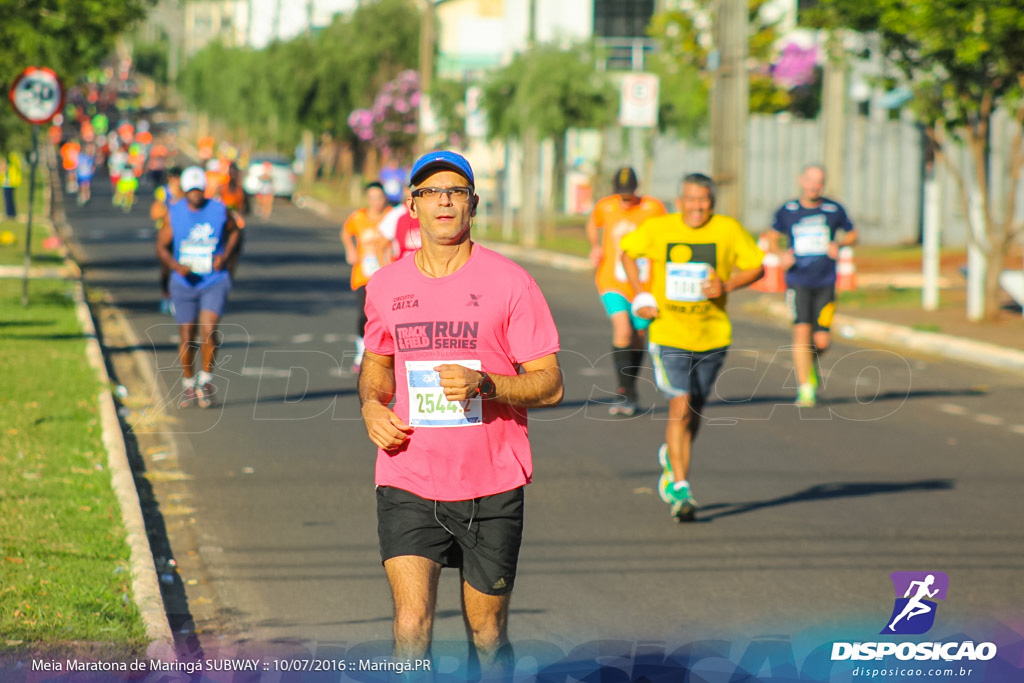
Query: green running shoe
x: 667, y: 477
x: 805, y: 397
x: 685, y: 510
x: 812, y: 374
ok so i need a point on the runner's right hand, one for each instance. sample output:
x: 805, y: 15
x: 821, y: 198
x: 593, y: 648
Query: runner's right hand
x: 385, y: 429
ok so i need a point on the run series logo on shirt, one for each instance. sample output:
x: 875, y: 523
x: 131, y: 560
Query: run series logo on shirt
x: 428, y: 336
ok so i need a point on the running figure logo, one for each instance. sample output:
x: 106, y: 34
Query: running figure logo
x: 914, y: 612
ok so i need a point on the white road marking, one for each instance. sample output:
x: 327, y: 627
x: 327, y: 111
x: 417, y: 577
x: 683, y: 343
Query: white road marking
x: 302, y: 339
x: 993, y: 420
x: 1017, y: 429
x: 953, y: 409
x: 266, y: 372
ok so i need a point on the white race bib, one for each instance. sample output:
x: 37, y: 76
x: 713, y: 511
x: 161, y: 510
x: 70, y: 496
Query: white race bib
x: 427, y: 405
x: 643, y: 264
x: 370, y: 265
x: 685, y: 281
x: 198, y: 257
x: 811, y: 240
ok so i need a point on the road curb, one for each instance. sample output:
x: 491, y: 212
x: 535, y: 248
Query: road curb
x: 145, y: 585
x: 933, y: 343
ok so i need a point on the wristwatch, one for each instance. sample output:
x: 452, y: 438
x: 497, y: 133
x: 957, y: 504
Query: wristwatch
x: 485, y: 387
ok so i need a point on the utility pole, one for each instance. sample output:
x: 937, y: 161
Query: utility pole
x: 531, y: 151
x: 729, y: 107
x: 428, y: 45
x: 833, y: 100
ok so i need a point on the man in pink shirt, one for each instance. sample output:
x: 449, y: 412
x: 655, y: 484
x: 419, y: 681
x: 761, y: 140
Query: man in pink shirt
x: 463, y: 341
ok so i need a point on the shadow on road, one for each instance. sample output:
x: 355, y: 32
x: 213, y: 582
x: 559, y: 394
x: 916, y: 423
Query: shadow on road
x: 824, y: 492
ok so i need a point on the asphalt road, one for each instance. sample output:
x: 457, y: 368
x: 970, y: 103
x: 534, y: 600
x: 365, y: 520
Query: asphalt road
x: 908, y: 464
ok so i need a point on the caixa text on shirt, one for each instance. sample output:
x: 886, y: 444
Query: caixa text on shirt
x: 440, y: 334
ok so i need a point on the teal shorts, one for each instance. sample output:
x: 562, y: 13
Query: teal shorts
x: 616, y: 303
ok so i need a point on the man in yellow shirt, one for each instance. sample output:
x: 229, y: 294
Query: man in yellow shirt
x: 613, y: 218
x: 697, y: 257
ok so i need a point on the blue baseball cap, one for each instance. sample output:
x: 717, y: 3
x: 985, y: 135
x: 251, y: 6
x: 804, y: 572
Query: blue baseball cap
x: 431, y: 162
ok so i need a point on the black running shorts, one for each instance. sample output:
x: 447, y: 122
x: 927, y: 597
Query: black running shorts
x: 480, y: 536
x: 814, y: 306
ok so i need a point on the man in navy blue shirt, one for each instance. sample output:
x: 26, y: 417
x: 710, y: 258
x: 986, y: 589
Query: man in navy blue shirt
x: 814, y: 227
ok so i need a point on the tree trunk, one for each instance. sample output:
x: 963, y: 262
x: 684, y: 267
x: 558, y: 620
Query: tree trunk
x: 993, y: 290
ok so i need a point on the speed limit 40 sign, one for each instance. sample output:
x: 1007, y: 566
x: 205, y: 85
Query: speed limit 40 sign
x: 37, y: 94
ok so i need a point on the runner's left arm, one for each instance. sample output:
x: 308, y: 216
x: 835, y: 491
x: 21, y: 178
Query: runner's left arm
x: 716, y: 287
x: 231, y: 229
x: 539, y: 385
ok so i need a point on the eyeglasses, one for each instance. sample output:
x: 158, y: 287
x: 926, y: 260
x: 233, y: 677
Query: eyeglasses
x: 433, y: 194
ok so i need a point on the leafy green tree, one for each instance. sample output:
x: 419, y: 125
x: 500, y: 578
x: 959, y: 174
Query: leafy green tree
x: 311, y: 82
x: 548, y: 89
x: 552, y: 88
x: 963, y: 60
x: 150, y: 59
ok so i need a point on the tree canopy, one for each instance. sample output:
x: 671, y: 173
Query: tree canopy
x: 552, y: 88
x: 310, y: 82
x: 963, y: 60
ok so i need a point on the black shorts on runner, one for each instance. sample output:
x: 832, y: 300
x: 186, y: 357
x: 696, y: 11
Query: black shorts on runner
x: 480, y: 536
x: 812, y: 306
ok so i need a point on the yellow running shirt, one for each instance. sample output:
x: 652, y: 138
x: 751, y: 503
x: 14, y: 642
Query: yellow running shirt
x: 675, y: 250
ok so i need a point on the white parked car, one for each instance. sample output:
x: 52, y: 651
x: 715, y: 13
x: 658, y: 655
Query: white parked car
x: 281, y: 173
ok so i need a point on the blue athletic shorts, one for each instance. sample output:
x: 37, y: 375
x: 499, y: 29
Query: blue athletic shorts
x: 188, y: 301
x: 679, y: 372
x: 616, y: 303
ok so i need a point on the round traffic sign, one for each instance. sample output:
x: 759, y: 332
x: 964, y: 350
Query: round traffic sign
x: 37, y: 94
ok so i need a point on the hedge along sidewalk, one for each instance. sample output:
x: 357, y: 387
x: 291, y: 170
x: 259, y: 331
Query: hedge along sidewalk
x: 59, y: 424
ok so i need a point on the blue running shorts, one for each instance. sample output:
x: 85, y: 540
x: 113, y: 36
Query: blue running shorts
x: 188, y: 301
x: 679, y: 372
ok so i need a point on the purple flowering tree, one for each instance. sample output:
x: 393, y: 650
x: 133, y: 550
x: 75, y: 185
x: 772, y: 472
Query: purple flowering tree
x: 391, y: 123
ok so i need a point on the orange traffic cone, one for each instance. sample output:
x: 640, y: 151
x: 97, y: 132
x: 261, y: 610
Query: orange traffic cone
x: 774, y: 279
x: 846, y: 271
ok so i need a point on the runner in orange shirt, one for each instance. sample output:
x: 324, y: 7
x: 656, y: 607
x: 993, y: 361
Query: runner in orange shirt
x: 234, y: 197
x: 613, y: 218
x: 69, y: 152
x: 366, y: 250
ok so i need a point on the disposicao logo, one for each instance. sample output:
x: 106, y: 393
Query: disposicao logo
x: 914, y: 610
x: 913, y: 613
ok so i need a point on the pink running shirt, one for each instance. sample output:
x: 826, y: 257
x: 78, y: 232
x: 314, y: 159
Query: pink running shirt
x: 489, y: 311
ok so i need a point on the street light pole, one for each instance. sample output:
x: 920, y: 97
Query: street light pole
x: 428, y: 45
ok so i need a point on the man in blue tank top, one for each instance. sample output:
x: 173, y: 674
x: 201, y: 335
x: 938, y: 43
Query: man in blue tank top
x: 814, y: 227
x: 195, y: 243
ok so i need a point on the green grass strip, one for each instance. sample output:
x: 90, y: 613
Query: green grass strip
x: 65, y: 583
